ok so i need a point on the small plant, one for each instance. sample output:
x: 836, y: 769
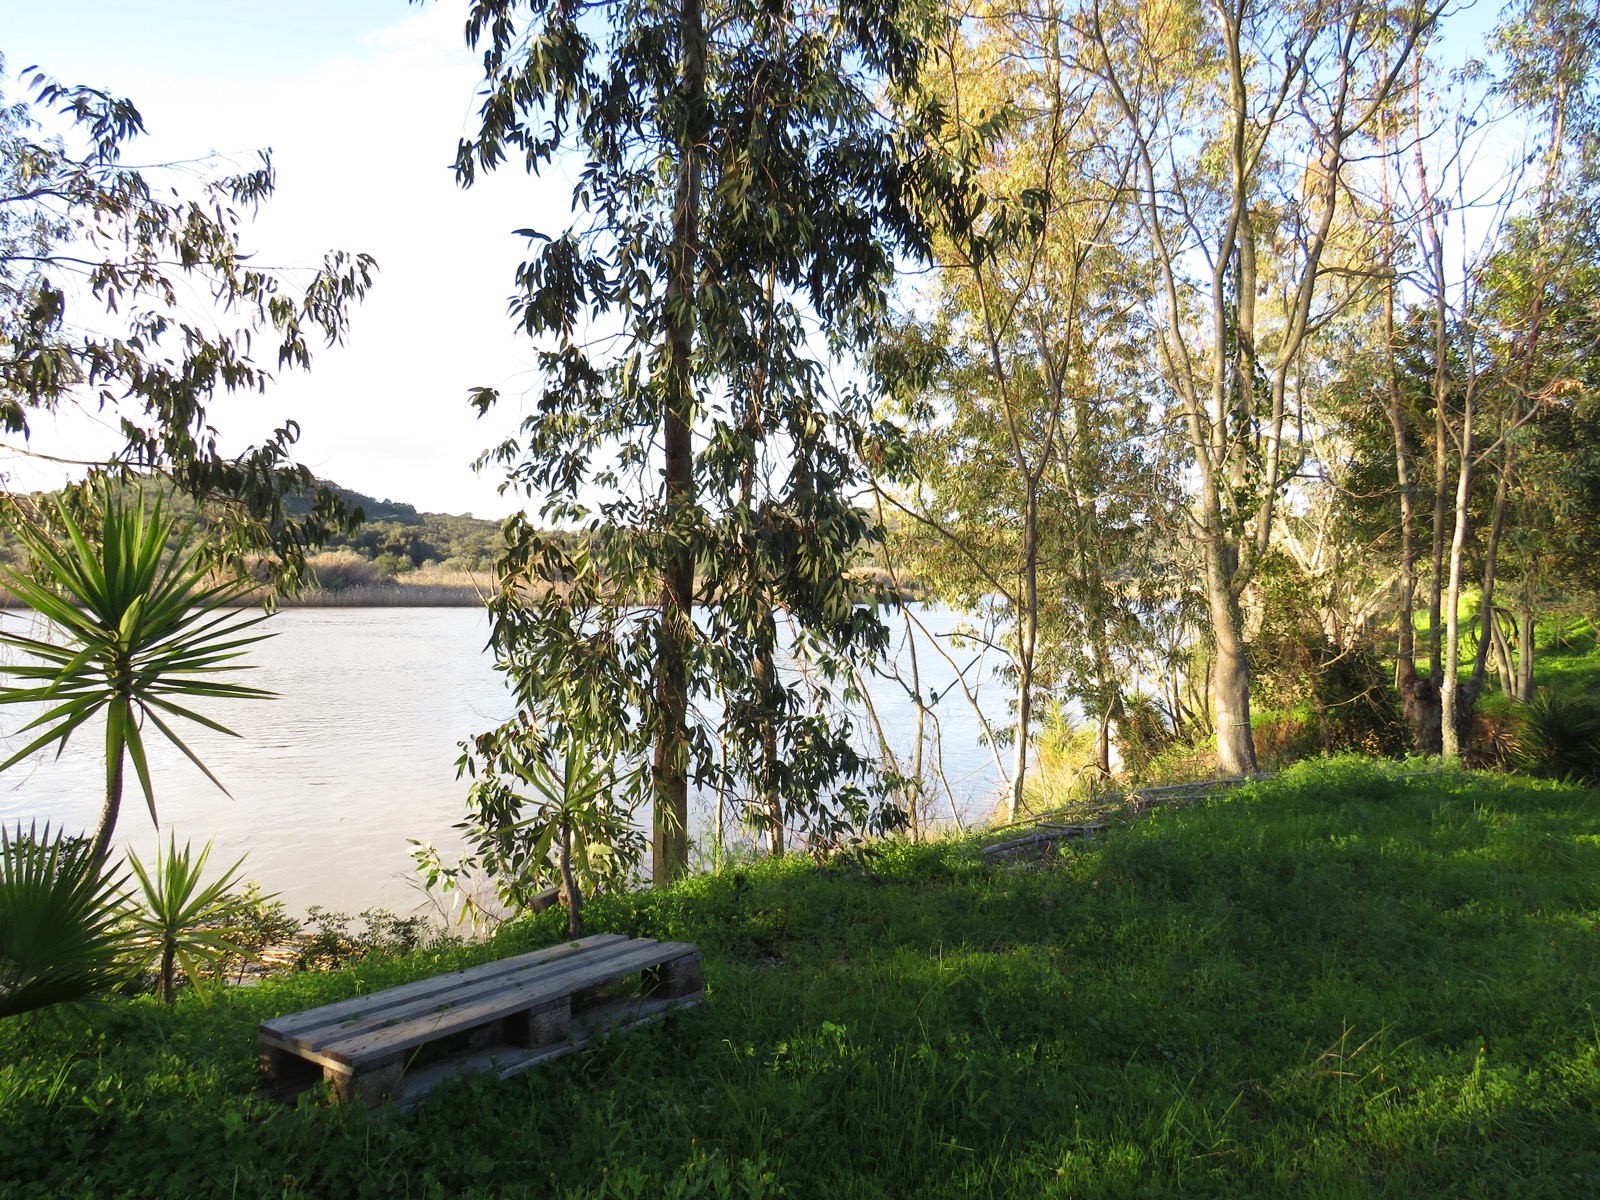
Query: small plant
x: 571, y: 831
x: 261, y: 925
x: 329, y: 942
x: 1559, y: 738
x: 62, y: 937
x: 183, y: 924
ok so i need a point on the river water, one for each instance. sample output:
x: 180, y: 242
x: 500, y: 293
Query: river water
x: 357, y: 755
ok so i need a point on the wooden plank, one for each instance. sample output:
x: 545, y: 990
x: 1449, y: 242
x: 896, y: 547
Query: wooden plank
x: 427, y: 1026
x: 356, y: 1046
x: 506, y: 1062
x: 381, y: 1013
x: 292, y: 1025
x: 312, y: 1046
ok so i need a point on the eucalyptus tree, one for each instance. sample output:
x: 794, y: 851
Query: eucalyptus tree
x: 98, y: 262
x: 1033, y: 462
x: 1241, y: 119
x: 1541, y: 288
x: 739, y: 202
x: 1488, y: 291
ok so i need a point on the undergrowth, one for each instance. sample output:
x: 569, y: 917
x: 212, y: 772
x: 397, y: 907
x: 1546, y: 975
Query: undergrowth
x: 1347, y: 982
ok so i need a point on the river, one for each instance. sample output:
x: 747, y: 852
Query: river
x: 356, y: 755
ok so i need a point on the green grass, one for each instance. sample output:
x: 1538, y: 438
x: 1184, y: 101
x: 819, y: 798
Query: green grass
x: 1568, y: 659
x: 1344, y: 983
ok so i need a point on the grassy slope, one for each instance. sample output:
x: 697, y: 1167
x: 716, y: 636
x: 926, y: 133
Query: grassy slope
x: 1340, y: 984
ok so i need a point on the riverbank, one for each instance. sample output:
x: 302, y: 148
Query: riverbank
x: 1342, y: 982
x: 390, y: 595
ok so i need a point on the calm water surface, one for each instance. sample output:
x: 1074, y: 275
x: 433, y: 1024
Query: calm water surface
x: 356, y: 756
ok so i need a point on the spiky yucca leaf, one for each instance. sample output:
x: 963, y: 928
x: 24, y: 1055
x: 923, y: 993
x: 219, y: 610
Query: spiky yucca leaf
x: 142, y: 629
x: 185, y: 926
x: 1558, y: 738
x: 62, y: 934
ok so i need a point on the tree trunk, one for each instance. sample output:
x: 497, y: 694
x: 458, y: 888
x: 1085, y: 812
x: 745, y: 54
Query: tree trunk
x: 764, y: 672
x: 1449, y: 695
x: 1503, y: 660
x: 1525, y: 646
x: 1491, y: 556
x: 1027, y: 639
x: 1415, y: 699
x: 101, y: 847
x: 670, y: 843
x: 169, y: 972
x: 571, y: 897
x: 1230, y: 671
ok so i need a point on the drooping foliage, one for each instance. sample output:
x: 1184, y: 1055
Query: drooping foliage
x: 99, y: 266
x: 738, y: 213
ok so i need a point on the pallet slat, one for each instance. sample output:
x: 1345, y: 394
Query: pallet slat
x: 515, y: 1012
x: 415, y: 1027
x: 299, y: 1024
x: 507, y: 989
x: 395, y: 1005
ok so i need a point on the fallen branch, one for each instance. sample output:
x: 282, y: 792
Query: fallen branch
x: 1046, y: 836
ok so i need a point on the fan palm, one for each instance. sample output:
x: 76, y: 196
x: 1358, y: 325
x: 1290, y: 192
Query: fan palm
x: 62, y: 934
x: 142, y: 628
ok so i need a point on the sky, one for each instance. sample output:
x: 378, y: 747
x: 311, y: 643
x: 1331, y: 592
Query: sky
x: 362, y: 103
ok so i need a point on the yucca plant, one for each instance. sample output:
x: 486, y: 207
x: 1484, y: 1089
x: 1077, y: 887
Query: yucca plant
x: 180, y: 923
x: 63, y: 938
x: 142, y: 628
x: 1558, y: 738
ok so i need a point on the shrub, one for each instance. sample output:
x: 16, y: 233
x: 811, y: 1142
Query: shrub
x: 1558, y: 737
x: 390, y: 565
x: 330, y: 942
x: 61, y: 933
x: 338, y: 570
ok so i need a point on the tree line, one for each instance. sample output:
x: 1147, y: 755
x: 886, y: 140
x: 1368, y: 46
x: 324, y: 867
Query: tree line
x: 1210, y: 353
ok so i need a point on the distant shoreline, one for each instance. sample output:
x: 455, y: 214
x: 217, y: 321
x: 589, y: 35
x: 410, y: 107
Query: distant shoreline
x: 390, y: 595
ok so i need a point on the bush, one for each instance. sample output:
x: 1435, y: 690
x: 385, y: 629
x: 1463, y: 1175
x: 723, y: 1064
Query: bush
x: 61, y: 932
x: 338, y: 570
x: 390, y: 565
x: 330, y: 943
x: 1558, y: 738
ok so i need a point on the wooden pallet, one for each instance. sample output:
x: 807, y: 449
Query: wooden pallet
x: 503, y: 1016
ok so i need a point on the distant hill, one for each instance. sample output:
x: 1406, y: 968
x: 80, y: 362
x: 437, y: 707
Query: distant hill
x: 392, y: 511
x: 395, y: 537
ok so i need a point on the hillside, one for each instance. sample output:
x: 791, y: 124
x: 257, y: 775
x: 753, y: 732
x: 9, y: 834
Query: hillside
x: 397, y: 538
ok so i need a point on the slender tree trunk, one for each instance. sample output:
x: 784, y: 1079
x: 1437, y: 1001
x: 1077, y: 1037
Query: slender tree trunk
x: 1503, y: 660
x: 1486, y: 621
x: 1430, y: 703
x: 1027, y: 640
x: 570, y: 896
x: 169, y: 972
x: 1525, y: 644
x: 670, y: 843
x: 764, y: 671
x: 1449, y: 695
x: 763, y: 677
x: 101, y: 846
x: 1406, y: 681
